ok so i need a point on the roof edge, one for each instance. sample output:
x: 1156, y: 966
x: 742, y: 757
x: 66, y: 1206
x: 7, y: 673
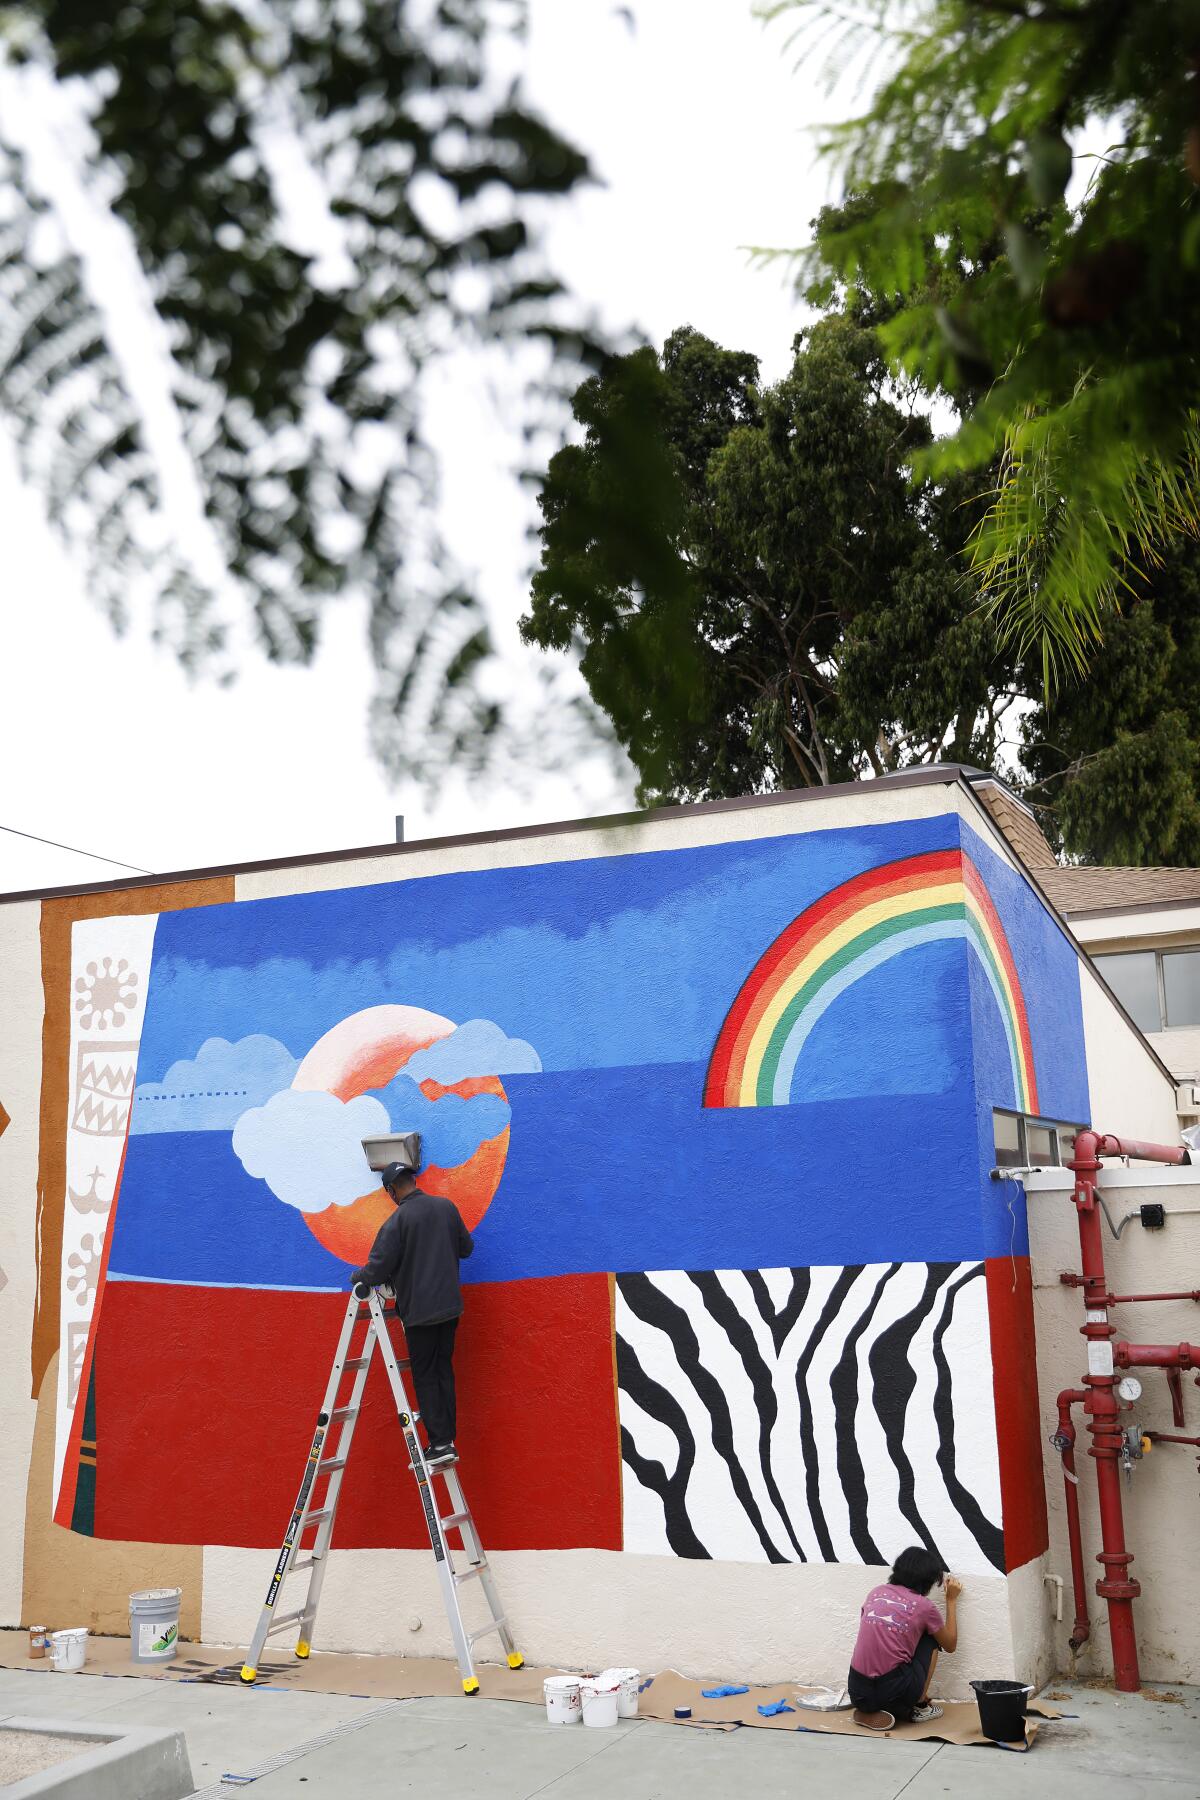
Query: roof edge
x: 929, y: 775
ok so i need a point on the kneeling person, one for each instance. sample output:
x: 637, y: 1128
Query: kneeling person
x: 416, y: 1253
x: 899, y: 1635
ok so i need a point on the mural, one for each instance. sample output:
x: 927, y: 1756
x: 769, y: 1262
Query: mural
x: 714, y: 1116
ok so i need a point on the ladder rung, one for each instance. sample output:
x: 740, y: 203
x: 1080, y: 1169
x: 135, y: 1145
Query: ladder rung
x: 356, y: 1362
x: 469, y: 1574
x: 315, y: 1518
x: 473, y: 1637
x: 283, y: 1623
x: 310, y: 1562
x: 453, y: 1520
x: 343, y: 1412
x: 335, y: 1462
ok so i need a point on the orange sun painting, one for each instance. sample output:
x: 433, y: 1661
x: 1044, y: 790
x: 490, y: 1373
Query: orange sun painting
x: 365, y: 1052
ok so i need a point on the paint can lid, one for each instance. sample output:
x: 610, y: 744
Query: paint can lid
x: 683, y: 1712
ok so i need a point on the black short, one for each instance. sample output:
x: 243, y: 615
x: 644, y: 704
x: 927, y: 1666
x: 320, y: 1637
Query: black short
x: 900, y: 1690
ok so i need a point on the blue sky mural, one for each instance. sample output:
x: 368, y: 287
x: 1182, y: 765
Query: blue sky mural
x: 573, y: 1007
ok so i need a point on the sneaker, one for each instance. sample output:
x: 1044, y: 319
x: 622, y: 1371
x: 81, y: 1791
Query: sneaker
x: 925, y: 1715
x: 880, y: 1721
x: 441, y: 1453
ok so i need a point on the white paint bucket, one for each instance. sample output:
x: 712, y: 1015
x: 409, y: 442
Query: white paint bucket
x: 599, y: 1703
x: 627, y: 1683
x: 154, y: 1624
x: 68, y: 1649
x: 563, y: 1705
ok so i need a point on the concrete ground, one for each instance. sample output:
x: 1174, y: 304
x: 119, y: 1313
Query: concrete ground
x: 1118, y: 1747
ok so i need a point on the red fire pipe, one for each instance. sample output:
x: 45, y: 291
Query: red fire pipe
x: 1156, y: 1356
x: 1116, y: 1585
x: 1114, y: 1146
x: 1169, y: 1437
x: 1065, y: 1442
x: 1069, y: 1279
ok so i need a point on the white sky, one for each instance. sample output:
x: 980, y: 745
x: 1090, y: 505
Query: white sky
x: 699, y: 127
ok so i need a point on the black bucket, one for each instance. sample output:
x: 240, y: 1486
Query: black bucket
x: 1002, y: 1710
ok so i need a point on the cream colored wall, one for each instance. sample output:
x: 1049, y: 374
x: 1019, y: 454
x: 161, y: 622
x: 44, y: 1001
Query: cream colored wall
x: 865, y: 806
x: 20, y: 1088
x: 1138, y: 930
x: 595, y: 1608
x: 1160, y: 1506
x: 1130, y: 1094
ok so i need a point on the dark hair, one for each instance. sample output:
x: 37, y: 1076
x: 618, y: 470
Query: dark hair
x: 917, y: 1569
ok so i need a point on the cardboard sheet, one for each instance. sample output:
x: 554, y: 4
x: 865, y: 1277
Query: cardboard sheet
x: 418, y: 1678
x: 959, y: 1723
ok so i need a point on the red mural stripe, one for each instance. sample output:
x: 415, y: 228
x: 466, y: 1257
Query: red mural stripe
x: 1018, y: 1418
x: 213, y: 1449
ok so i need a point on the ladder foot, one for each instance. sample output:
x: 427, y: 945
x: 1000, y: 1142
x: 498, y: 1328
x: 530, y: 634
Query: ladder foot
x: 248, y: 1673
x: 302, y: 1649
x: 471, y: 1686
x: 516, y: 1660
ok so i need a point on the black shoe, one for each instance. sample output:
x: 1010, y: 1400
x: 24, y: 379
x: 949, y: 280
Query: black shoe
x: 441, y: 1453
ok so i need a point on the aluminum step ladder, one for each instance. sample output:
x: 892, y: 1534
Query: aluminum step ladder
x: 315, y: 1510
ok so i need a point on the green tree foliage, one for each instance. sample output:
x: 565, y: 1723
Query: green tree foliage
x: 1116, y: 759
x: 760, y: 596
x: 295, y: 380
x: 1069, y: 327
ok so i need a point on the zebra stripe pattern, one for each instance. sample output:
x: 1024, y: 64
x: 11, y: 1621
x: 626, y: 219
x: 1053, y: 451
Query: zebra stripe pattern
x: 809, y: 1415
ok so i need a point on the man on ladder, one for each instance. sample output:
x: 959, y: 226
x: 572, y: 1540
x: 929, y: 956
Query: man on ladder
x: 416, y: 1253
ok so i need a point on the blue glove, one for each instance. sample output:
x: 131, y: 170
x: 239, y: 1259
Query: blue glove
x: 722, y: 1693
x: 780, y: 1706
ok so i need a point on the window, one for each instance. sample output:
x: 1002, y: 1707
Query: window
x: 1133, y: 978
x: 1181, y: 986
x: 1025, y: 1143
x: 1159, y: 989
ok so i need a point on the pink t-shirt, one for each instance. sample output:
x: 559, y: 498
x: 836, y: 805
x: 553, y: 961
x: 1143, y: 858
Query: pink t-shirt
x: 892, y: 1624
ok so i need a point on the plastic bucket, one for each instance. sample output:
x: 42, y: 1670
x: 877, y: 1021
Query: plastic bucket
x: 68, y: 1649
x: 563, y: 1705
x: 1002, y: 1710
x: 599, y: 1703
x: 154, y: 1624
x: 628, y: 1682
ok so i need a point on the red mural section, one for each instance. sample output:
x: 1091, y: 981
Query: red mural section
x: 210, y: 1447
x: 1018, y: 1417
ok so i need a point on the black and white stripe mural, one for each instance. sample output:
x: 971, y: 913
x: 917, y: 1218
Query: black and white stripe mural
x: 809, y: 1415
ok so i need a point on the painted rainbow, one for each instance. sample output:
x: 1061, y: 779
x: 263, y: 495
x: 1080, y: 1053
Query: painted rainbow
x: 839, y: 939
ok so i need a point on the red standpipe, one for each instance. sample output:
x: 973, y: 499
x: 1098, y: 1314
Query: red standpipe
x: 1081, y: 1631
x: 1116, y: 1585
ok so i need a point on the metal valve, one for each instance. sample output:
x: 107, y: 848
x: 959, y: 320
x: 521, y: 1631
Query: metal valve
x: 1061, y: 1441
x: 1132, y: 1451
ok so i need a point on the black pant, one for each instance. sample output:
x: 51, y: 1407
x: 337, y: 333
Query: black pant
x: 900, y: 1690
x: 430, y: 1350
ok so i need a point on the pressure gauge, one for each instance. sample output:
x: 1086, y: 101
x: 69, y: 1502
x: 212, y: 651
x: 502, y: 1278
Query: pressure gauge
x: 1129, y: 1389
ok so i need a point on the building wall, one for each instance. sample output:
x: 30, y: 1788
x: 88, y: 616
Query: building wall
x: 1160, y: 1502
x: 756, y: 1324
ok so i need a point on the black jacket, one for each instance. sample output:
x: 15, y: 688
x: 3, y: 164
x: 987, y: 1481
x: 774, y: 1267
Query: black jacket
x: 417, y: 1253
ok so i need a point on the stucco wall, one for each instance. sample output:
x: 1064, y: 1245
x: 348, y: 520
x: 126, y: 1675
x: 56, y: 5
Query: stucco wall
x: 1129, y: 1091
x: 1160, y: 1504
x: 577, y: 1604
x: 591, y: 1608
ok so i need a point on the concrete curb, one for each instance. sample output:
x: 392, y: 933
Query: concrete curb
x: 153, y: 1765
